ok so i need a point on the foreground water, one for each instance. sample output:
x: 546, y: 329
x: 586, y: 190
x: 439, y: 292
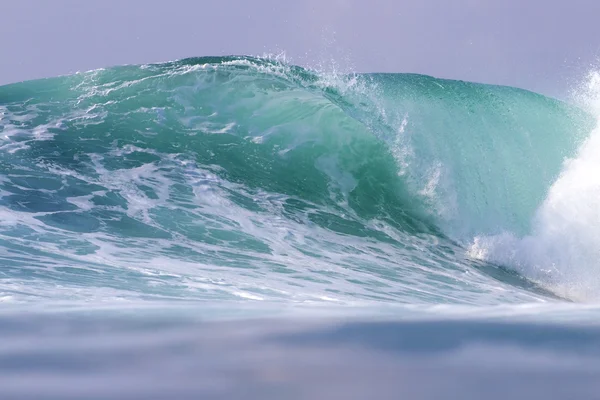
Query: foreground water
x: 141, y: 205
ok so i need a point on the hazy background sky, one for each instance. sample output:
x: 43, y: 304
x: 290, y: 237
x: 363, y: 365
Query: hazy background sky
x: 542, y: 45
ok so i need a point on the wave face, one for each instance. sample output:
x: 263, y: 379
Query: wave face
x: 246, y: 179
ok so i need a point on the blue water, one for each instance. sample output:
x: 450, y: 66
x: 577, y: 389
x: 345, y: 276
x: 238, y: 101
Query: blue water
x: 219, y: 226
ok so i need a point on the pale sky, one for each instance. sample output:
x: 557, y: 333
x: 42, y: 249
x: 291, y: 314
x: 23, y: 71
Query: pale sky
x: 542, y: 45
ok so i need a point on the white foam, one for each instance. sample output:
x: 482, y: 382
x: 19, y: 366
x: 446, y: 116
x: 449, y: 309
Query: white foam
x: 563, y: 249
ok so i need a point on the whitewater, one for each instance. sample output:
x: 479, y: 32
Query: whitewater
x: 227, y: 227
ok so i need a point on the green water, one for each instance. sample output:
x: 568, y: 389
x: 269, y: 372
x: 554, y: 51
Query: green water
x: 247, y: 179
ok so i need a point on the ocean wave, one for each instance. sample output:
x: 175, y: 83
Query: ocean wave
x: 245, y: 179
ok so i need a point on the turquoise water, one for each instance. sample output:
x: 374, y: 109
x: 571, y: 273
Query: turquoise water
x: 240, y: 187
x: 246, y: 179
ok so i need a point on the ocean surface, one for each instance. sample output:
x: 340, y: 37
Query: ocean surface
x: 239, y: 227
